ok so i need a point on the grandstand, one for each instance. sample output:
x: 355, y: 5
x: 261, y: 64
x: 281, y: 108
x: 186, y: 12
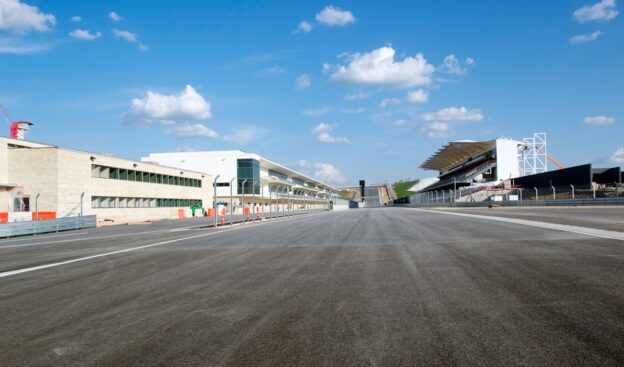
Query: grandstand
x: 492, y: 169
x: 468, y: 163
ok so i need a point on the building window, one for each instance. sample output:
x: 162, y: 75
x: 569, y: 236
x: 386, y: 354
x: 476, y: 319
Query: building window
x: 249, y: 170
x: 279, y: 175
x: 104, y: 172
x: 114, y: 173
x: 223, y: 184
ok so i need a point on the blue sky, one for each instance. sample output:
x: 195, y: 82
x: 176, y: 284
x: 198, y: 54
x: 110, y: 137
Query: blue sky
x: 340, y: 90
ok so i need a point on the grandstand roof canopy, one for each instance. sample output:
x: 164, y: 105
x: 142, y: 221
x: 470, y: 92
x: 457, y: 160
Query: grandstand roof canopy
x: 455, y: 153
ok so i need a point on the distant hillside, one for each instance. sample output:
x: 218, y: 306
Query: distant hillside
x: 401, y: 188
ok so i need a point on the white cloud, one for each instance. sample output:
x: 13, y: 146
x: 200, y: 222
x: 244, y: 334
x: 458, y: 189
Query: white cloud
x: 271, y: 71
x: 125, y: 35
x: 76, y: 19
x: 245, y: 135
x: 399, y: 123
x: 353, y: 110
x: 417, y: 96
x: 357, y: 96
x: 584, y: 38
x: 18, y: 17
x: 166, y: 109
x: 380, y: 67
x: 85, y: 35
x: 389, y: 101
x: 598, y: 120
x: 603, y: 10
x: 618, y: 156
x: 304, y: 26
x: 469, y: 61
x: 114, y: 16
x: 303, y: 81
x: 185, y: 149
x: 451, y: 65
x: 142, y: 47
x: 321, y: 171
x: 334, y: 16
x: 323, y: 134
x: 453, y: 114
x: 441, y: 122
x: 327, y: 172
x: 315, y: 112
x: 437, y: 129
x: 11, y: 46
x: 188, y: 130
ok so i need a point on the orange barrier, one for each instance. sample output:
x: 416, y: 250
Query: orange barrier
x: 258, y: 217
x: 43, y: 215
x: 210, y: 212
x: 4, y: 217
x: 180, y: 213
x: 247, y: 213
x: 223, y: 213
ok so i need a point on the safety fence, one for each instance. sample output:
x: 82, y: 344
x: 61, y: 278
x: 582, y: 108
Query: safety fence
x: 46, y: 226
x: 485, y: 196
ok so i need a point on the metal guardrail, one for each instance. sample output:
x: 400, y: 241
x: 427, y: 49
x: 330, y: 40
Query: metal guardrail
x: 45, y: 226
x: 517, y: 203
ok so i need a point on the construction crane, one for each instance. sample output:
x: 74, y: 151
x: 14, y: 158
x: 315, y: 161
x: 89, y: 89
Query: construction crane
x: 5, y: 115
x: 561, y: 166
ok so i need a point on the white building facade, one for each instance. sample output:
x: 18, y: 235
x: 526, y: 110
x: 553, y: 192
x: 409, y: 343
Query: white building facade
x: 249, y: 181
x: 40, y: 179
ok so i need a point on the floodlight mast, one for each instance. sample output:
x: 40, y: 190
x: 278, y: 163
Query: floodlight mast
x: 534, y: 156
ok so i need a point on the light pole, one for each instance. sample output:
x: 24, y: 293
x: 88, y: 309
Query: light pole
x: 262, y: 199
x: 37, y: 207
x: 572, y: 186
x: 554, y: 195
x: 231, y: 202
x: 214, y: 199
x: 536, y: 194
x: 283, y: 204
x: 271, y: 201
x: 81, y: 201
x: 454, y: 188
x: 243, y: 198
x: 253, y: 199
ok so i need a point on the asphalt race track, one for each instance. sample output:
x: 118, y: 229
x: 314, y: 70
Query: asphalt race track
x: 379, y: 286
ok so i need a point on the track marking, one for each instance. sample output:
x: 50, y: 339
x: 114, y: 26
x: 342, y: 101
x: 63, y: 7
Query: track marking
x: 601, y: 233
x: 12, y: 241
x: 60, y: 263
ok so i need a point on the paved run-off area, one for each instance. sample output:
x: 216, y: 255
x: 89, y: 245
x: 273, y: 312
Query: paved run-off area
x: 388, y: 286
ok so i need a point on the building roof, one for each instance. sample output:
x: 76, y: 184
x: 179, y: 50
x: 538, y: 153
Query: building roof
x: 242, y: 154
x: 456, y: 152
x: 36, y: 145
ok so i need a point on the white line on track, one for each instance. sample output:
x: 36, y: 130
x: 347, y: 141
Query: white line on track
x: 81, y: 239
x: 52, y: 265
x: 612, y: 235
x: 43, y: 236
